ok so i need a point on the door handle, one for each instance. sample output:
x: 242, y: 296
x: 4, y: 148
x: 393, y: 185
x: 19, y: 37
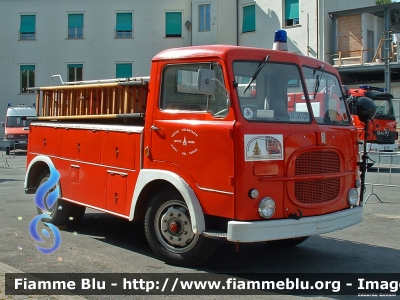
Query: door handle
x: 154, y: 127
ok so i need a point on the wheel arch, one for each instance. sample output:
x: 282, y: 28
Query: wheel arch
x: 34, y: 169
x: 150, y: 181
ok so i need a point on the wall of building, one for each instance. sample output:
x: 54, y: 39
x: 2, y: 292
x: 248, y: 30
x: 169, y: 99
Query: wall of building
x: 98, y: 51
x: 223, y: 24
x: 374, y: 24
x: 269, y: 18
x: 312, y: 36
x: 328, y: 6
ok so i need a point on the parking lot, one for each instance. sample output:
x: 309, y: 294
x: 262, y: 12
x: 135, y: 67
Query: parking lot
x: 107, y: 244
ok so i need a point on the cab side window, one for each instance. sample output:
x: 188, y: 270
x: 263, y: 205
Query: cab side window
x: 179, y: 90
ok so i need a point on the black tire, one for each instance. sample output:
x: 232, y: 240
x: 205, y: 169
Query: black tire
x: 77, y: 212
x: 169, y: 232
x: 7, y: 150
x: 59, y: 213
x: 288, y: 242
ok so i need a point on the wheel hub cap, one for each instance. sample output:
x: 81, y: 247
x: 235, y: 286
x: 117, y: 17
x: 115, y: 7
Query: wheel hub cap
x: 176, y: 227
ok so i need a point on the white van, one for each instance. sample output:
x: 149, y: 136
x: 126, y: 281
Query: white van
x: 16, y: 126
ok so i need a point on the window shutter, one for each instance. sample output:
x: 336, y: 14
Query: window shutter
x: 75, y: 21
x: 75, y: 66
x: 28, y: 24
x: 291, y: 9
x: 124, y: 22
x: 124, y: 70
x: 173, y: 23
x: 249, y: 18
x: 27, y: 67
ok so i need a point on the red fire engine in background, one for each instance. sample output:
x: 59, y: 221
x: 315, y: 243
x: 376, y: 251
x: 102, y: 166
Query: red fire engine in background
x: 205, y: 148
x: 382, y: 133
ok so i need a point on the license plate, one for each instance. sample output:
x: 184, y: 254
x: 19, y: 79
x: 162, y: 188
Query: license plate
x: 386, y: 147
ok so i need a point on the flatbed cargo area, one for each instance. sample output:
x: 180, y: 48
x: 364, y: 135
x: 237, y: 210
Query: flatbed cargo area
x: 111, y: 99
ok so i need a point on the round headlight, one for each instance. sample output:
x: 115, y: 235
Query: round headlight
x: 266, y: 207
x: 352, y: 197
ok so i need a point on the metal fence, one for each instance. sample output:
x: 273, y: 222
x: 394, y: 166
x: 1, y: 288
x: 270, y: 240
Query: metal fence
x: 384, y: 173
x: 396, y: 107
x: 4, y: 157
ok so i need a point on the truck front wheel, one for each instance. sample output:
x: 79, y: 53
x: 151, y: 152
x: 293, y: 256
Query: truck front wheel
x: 169, y: 231
x: 59, y: 212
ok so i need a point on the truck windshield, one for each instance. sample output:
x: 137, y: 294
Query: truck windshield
x: 326, y: 97
x: 270, y: 92
x: 15, y: 121
x: 384, y: 110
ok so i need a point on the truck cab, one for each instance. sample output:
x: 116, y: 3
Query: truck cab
x: 382, y: 131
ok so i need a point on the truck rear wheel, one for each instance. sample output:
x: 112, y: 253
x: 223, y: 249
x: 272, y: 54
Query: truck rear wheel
x: 169, y: 231
x: 288, y: 242
x: 59, y: 212
x: 76, y: 214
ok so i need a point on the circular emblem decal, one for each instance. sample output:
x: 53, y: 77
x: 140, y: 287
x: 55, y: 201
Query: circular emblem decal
x: 248, y: 113
x: 184, y: 141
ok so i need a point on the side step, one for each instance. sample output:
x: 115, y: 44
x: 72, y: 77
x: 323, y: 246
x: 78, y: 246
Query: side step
x: 215, y: 234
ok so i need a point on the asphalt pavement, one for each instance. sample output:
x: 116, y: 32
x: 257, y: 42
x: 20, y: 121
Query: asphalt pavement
x: 372, y: 246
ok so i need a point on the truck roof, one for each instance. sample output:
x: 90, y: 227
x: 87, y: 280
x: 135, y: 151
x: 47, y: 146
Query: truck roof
x: 227, y: 52
x: 21, y: 111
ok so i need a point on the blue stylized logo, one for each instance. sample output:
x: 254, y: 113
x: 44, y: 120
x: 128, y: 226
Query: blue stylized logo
x: 45, y: 203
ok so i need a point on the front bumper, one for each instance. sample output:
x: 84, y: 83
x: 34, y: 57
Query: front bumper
x: 382, y: 147
x: 247, y: 232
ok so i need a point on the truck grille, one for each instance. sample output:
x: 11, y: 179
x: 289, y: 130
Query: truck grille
x: 21, y: 136
x: 317, y: 191
x: 314, y: 163
x: 390, y: 139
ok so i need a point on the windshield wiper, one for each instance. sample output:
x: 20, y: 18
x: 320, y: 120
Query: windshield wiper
x: 318, y: 78
x: 259, y: 68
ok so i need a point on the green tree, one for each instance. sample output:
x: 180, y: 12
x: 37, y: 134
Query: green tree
x: 380, y: 2
x: 256, y: 150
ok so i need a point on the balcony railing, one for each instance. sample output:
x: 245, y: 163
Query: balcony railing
x: 365, y: 56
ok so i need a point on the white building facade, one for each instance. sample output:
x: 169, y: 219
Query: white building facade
x: 98, y: 39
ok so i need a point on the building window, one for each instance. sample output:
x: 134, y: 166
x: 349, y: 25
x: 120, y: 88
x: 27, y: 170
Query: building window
x: 123, y: 27
x: 173, y: 24
x: 123, y: 70
x: 27, y: 77
x: 75, y: 26
x: 204, y: 17
x: 291, y: 12
x: 75, y: 72
x: 27, y: 30
x: 249, y: 18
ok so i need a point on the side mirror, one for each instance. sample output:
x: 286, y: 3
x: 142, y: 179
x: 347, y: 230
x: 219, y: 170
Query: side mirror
x: 365, y: 109
x: 205, y: 81
x: 2, y: 124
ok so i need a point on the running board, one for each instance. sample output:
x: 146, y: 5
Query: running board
x: 216, y: 235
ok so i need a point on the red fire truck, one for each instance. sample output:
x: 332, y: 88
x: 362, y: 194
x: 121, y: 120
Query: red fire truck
x: 382, y: 133
x: 205, y: 148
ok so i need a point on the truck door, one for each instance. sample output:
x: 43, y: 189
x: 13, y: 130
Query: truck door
x: 191, y: 133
